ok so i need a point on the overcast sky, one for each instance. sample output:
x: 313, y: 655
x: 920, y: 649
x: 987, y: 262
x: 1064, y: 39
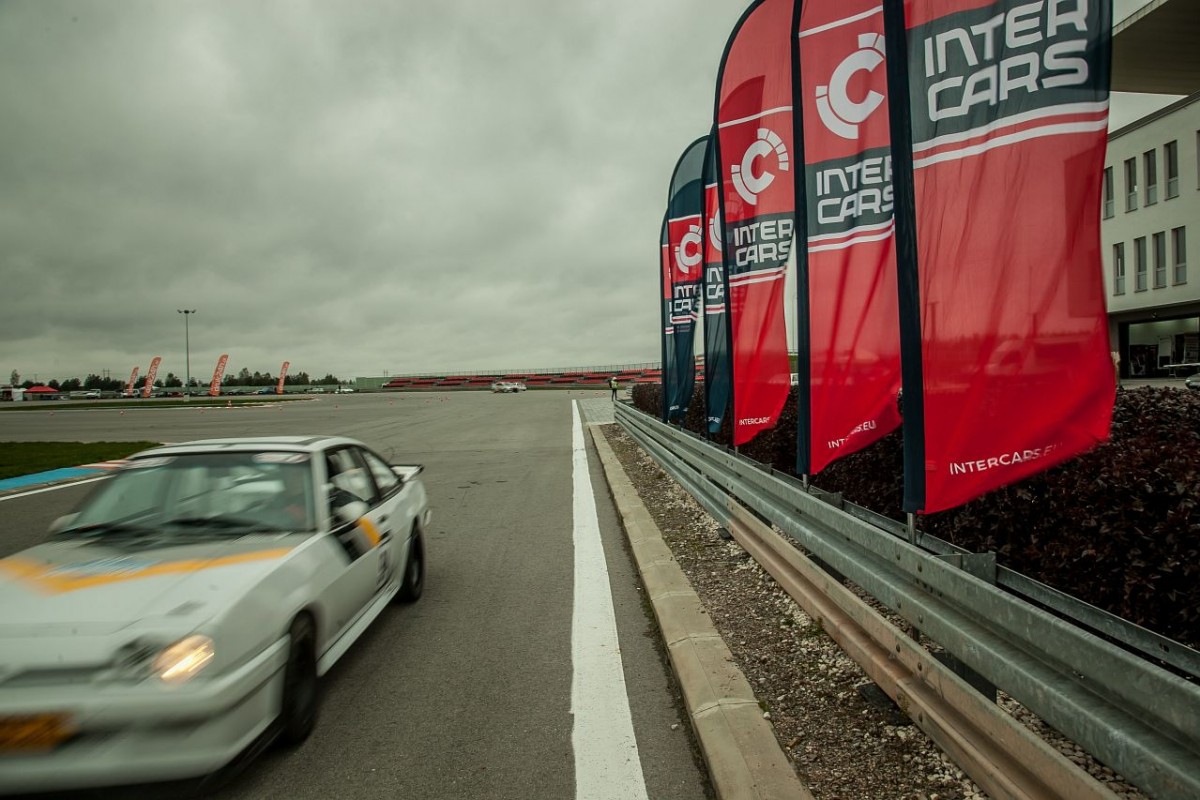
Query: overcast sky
x: 356, y: 187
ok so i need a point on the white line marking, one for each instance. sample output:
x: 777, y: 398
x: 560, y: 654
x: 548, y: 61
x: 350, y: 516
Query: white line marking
x: 753, y: 117
x: 1045, y: 131
x: 840, y: 22
x: 607, y: 764
x: 855, y: 231
x: 1010, y: 122
x: 875, y: 237
x: 51, y: 488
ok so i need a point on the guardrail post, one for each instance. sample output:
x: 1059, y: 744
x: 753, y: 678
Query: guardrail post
x: 982, y: 566
x: 833, y: 573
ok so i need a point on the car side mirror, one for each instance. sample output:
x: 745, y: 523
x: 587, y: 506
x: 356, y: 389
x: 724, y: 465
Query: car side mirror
x: 353, y: 511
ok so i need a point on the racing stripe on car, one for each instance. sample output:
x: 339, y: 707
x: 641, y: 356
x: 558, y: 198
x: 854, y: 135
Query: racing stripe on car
x: 370, y: 530
x: 57, y: 579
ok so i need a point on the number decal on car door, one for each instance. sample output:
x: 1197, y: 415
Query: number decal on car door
x: 384, y: 570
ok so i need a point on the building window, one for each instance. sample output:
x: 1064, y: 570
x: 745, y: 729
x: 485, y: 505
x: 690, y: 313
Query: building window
x: 1179, y: 246
x: 1160, y: 260
x: 1150, y: 166
x: 1171, y: 156
x: 1139, y: 264
x: 1131, y: 184
x: 1119, y: 268
x: 1108, y: 193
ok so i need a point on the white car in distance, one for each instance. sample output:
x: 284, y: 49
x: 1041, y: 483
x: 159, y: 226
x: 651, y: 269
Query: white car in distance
x: 184, y: 614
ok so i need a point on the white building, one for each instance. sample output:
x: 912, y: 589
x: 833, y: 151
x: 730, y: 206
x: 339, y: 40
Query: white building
x: 1150, y: 236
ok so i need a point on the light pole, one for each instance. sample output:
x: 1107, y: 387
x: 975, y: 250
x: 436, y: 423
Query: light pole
x: 187, y: 353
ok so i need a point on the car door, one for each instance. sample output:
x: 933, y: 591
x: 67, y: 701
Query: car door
x: 348, y: 481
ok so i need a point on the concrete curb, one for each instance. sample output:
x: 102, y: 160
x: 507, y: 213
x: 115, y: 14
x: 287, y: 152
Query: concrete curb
x: 744, y: 758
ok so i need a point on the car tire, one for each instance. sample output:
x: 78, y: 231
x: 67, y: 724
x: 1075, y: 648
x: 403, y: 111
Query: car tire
x: 301, y: 691
x: 414, y: 571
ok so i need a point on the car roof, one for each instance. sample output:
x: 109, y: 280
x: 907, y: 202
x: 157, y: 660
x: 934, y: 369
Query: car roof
x: 292, y: 444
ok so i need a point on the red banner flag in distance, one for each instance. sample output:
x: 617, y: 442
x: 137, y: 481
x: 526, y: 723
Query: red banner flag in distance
x: 148, y: 386
x: 282, y: 374
x: 132, y: 381
x: 214, y: 387
x: 853, y: 334
x: 754, y: 130
x: 1009, y: 113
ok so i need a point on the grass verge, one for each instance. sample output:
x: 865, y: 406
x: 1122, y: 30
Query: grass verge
x: 25, y: 458
x: 195, y: 402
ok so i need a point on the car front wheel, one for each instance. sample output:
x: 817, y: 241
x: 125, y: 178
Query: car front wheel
x: 298, y: 712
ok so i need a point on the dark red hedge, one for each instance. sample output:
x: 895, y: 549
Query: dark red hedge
x: 1117, y: 527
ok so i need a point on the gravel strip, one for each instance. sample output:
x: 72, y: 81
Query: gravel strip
x: 842, y: 746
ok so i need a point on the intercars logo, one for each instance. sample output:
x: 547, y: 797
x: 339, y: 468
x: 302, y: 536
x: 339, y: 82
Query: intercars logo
x: 838, y: 111
x: 693, y: 239
x: 749, y: 185
x: 714, y: 232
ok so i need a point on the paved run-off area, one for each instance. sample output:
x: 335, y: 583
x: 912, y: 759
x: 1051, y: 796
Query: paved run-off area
x: 468, y: 692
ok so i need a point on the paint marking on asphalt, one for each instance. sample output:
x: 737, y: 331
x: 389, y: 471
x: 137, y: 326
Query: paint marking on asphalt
x: 51, y: 488
x: 607, y: 764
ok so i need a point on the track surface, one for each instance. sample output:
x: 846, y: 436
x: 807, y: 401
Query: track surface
x: 467, y: 694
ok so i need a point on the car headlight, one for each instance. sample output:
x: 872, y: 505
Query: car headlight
x: 183, y: 660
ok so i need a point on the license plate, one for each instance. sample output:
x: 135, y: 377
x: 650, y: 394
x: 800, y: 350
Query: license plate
x: 34, y: 732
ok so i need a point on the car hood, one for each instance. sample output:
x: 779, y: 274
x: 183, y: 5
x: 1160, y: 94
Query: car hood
x: 82, y: 587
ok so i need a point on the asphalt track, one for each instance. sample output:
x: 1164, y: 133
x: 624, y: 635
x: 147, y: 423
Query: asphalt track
x: 467, y: 694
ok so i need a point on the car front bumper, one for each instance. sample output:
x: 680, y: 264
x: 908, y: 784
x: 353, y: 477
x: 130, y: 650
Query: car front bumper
x: 145, y: 732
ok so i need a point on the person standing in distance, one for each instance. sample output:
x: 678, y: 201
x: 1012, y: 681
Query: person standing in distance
x: 614, y: 386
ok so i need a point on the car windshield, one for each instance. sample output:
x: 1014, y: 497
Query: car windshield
x: 202, y: 494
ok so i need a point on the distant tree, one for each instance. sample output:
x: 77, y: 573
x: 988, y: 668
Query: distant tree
x: 53, y: 383
x: 93, y: 382
x: 159, y: 383
x: 172, y: 380
x: 298, y: 378
x: 244, y: 377
x: 14, y: 378
x: 328, y: 380
x: 28, y: 383
x: 70, y: 385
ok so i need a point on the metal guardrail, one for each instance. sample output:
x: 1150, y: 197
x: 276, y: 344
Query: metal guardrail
x: 1135, y: 716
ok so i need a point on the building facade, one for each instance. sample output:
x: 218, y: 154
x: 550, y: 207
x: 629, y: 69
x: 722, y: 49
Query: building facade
x: 1150, y: 237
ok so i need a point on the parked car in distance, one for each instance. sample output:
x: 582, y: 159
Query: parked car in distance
x: 266, y: 390
x: 1192, y: 381
x: 184, y: 614
x: 344, y: 390
x: 504, y: 387
x: 316, y: 390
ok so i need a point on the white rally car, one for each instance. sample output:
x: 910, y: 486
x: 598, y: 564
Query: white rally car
x: 183, y: 615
